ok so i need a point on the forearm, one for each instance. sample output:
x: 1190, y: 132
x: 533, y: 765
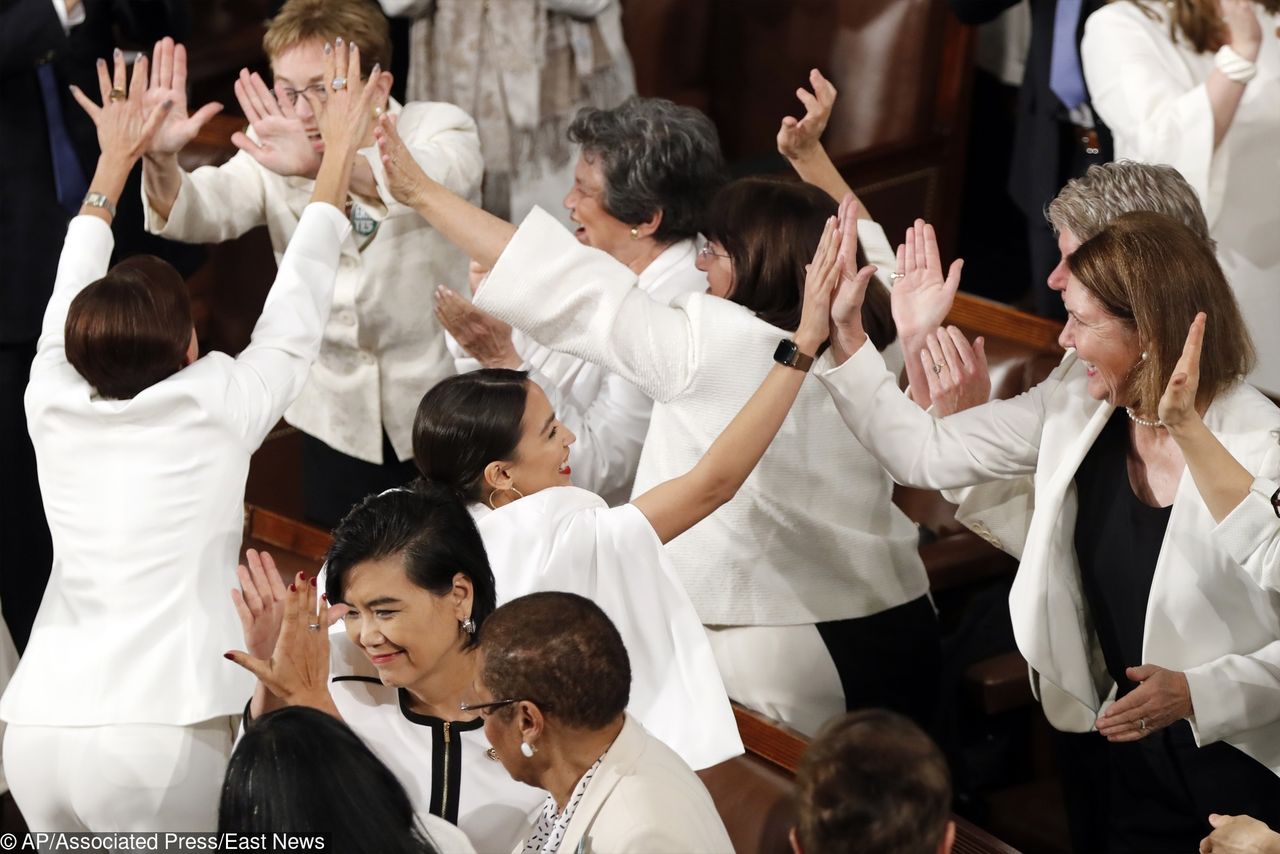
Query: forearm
x: 678, y: 504
x: 478, y: 233
x: 263, y: 702
x: 334, y: 177
x: 1224, y: 99
x: 912, y: 347
x: 815, y: 167
x: 363, y: 183
x: 1222, y: 482
x: 161, y: 181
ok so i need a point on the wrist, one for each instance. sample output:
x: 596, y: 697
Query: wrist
x: 808, y: 343
x: 804, y: 153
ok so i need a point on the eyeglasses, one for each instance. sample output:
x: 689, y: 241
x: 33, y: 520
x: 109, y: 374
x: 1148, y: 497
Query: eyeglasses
x: 487, y: 708
x: 319, y: 90
x: 708, y: 253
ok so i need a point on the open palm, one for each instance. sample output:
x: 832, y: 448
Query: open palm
x: 281, y: 143
x: 169, y: 83
x: 921, y: 297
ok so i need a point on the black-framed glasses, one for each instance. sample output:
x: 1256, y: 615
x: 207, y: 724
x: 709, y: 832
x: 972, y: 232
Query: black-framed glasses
x: 489, y: 707
x: 319, y: 90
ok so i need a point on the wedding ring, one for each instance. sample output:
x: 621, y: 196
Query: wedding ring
x: 1142, y: 724
x: 893, y: 277
x: 937, y: 367
x: 116, y: 95
x: 339, y: 83
x: 315, y: 627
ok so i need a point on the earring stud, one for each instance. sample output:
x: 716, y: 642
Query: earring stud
x: 527, y: 750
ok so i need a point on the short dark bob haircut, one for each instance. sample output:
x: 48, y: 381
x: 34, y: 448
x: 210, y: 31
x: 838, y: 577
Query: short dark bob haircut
x: 770, y: 227
x: 303, y: 772
x: 466, y: 422
x: 560, y: 652
x: 130, y: 329
x: 429, y: 528
x: 655, y: 156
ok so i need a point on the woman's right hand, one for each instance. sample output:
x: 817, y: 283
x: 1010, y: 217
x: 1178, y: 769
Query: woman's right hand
x: 1239, y: 834
x: 169, y: 83
x: 405, y: 178
x: 1243, y: 30
x: 345, y: 116
x: 956, y: 372
x: 126, y: 125
x: 799, y: 137
x: 1177, y: 407
x: 920, y: 297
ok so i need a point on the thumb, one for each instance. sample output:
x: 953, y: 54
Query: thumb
x: 257, y: 667
x: 1141, y: 673
x: 207, y: 112
x: 1217, y: 820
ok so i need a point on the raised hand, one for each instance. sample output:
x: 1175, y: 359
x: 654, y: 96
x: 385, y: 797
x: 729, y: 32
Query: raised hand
x: 1177, y: 407
x: 956, y: 373
x: 798, y: 137
x: 346, y: 116
x: 1243, y: 30
x: 485, y: 338
x: 920, y: 297
x: 259, y: 602
x: 169, y: 83
x: 125, y: 124
x: 405, y: 178
x: 297, y: 671
x: 283, y: 145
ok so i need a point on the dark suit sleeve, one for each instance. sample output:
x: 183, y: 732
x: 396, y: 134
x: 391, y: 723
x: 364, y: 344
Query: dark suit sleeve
x: 980, y: 11
x: 147, y: 21
x: 29, y: 29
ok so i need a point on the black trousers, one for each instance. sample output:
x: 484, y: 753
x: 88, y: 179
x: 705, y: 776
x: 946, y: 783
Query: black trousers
x: 890, y: 660
x: 24, y: 534
x: 333, y: 482
x: 1156, y: 794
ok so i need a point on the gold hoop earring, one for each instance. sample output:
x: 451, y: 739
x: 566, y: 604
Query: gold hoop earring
x: 512, y: 488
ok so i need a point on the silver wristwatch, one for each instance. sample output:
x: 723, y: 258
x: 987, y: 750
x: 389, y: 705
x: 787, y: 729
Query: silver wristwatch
x: 98, y: 200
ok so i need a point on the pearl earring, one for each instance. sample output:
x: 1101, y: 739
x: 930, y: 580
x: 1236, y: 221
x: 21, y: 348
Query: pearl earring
x: 635, y: 232
x: 527, y: 750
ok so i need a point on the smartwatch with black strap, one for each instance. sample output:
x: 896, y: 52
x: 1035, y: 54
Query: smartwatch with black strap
x: 789, y: 354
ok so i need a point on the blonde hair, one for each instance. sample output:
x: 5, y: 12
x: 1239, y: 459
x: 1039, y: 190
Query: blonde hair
x: 1154, y: 274
x: 359, y: 22
x: 1087, y: 203
x: 1197, y: 22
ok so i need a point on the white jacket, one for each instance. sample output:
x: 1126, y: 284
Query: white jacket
x: 1213, y: 611
x: 145, y: 501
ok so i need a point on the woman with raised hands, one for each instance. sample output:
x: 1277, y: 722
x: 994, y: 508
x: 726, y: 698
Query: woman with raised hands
x: 808, y: 579
x: 143, y: 450
x: 1140, y: 613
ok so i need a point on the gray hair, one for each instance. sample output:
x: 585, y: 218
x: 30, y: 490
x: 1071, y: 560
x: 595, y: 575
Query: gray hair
x: 654, y: 156
x: 1086, y: 204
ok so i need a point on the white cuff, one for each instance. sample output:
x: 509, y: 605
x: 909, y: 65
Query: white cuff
x: 1233, y: 65
x: 68, y: 21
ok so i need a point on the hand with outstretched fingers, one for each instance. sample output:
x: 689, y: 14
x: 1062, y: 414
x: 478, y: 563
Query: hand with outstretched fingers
x: 260, y: 602
x: 1177, y: 408
x: 485, y: 338
x: 126, y: 125
x: 169, y: 83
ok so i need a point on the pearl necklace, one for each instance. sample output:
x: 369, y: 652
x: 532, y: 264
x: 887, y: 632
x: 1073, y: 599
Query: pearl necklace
x: 1139, y: 420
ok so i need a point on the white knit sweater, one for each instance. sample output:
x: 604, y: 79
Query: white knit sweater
x: 812, y: 535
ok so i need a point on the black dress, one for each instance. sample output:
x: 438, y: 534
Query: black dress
x: 1161, y: 789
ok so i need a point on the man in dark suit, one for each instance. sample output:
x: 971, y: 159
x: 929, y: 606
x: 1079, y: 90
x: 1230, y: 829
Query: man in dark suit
x: 1052, y: 140
x: 48, y: 148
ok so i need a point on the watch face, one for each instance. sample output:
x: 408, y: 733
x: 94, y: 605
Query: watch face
x: 786, y: 352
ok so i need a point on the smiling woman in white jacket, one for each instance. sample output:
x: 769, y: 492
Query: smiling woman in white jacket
x: 1127, y: 586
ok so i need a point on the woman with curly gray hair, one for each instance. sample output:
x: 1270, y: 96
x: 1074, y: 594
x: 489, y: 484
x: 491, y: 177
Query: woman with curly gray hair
x: 645, y: 176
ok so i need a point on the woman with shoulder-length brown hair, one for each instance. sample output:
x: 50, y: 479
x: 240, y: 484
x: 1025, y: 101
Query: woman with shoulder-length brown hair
x: 1196, y: 84
x: 1138, y: 611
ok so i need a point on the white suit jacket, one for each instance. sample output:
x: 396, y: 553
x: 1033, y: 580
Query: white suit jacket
x: 1213, y: 611
x: 145, y: 501
x: 383, y: 347
x: 644, y: 799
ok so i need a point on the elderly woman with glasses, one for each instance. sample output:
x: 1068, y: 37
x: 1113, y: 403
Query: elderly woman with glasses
x: 356, y: 410
x: 552, y: 689
x: 641, y: 187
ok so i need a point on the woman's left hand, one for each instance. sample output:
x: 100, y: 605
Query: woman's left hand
x: 485, y: 338
x: 405, y: 178
x: 1161, y: 698
x: 298, y: 670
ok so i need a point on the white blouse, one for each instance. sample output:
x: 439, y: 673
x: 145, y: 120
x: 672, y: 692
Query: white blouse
x: 1151, y: 92
x: 813, y: 534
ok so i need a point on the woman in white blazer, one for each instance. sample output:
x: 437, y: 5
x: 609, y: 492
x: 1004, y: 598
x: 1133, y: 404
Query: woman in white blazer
x: 143, y: 450
x: 1127, y: 586
x: 553, y: 688
x: 809, y: 579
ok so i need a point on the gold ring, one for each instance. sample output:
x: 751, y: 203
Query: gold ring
x: 937, y: 367
x: 116, y: 95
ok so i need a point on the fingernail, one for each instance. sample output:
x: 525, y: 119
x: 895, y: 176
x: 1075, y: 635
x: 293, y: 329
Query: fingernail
x: 228, y: 656
x: 328, y: 48
x: 377, y: 67
x: 293, y: 588
x: 313, y: 582
x: 117, y: 53
x: 337, y: 42
x: 102, y: 63
x: 168, y: 104
x: 324, y: 597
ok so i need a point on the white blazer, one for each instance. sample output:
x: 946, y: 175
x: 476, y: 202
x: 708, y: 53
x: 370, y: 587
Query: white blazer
x: 1213, y: 611
x: 644, y: 799
x: 145, y: 501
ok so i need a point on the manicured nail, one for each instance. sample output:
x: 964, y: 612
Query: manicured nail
x: 102, y: 63
x: 324, y: 597
x: 117, y: 53
x: 228, y: 656
x: 328, y: 48
x: 168, y: 105
x: 293, y: 588
x: 313, y: 582
x: 377, y: 67
x: 337, y: 42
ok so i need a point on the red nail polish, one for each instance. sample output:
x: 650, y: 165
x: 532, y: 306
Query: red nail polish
x: 293, y: 588
x: 313, y: 582
x: 228, y: 656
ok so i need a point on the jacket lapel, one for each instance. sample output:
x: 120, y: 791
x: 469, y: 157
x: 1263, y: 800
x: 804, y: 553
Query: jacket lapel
x: 618, y: 762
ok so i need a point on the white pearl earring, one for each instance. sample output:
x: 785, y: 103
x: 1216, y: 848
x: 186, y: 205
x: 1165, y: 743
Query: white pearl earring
x: 527, y: 749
